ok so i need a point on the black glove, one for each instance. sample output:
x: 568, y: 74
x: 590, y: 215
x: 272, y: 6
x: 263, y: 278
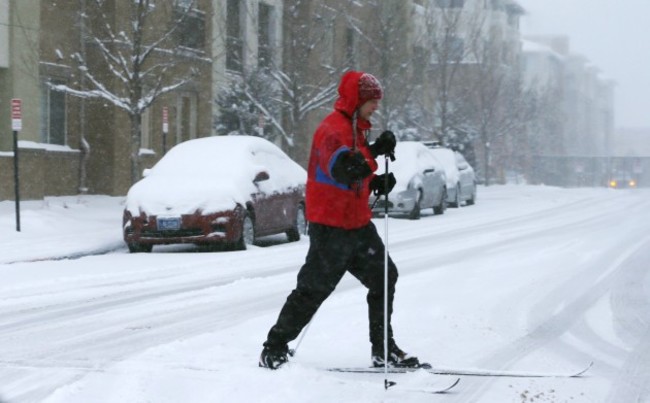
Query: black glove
x: 378, y: 184
x: 350, y: 167
x: 384, y: 145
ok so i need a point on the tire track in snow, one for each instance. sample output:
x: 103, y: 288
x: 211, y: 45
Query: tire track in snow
x: 557, y: 314
x: 633, y: 325
x: 561, y: 315
x: 83, y: 334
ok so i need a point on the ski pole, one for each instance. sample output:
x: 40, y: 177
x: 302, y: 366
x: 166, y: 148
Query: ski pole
x: 292, y: 351
x: 387, y: 383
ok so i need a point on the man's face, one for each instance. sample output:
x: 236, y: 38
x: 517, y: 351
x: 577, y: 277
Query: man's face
x: 368, y: 108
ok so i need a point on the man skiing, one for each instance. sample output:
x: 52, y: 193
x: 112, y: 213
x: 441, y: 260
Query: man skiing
x: 342, y: 237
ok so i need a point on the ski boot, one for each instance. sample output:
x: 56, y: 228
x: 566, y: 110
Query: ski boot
x: 396, y: 358
x: 273, y: 358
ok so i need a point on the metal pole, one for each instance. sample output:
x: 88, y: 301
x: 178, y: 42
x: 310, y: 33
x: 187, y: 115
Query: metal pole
x: 16, y: 183
x: 387, y: 384
x: 293, y: 351
x: 164, y: 142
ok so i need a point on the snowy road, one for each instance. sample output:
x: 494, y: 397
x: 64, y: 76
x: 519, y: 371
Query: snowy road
x: 531, y: 278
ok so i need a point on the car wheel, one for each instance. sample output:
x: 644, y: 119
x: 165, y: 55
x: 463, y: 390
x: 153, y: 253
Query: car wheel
x: 247, y: 233
x: 139, y: 248
x: 440, y: 208
x: 415, y: 213
x: 300, y: 226
x: 456, y: 202
x: 472, y: 200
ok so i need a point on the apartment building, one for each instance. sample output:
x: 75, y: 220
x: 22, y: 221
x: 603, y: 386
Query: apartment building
x: 247, y: 34
x: 475, y: 51
x: 71, y: 144
x: 581, y: 139
x: 543, y: 72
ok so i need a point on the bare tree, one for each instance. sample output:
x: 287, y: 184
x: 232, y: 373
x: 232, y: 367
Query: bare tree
x: 307, y: 77
x: 385, y: 29
x: 131, y: 63
x: 498, y: 105
x: 282, y: 93
x: 252, y: 105
x: 544, y: 126
x: 451, y: 33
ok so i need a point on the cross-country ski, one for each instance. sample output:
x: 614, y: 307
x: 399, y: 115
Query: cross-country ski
x: 429, y: 390
x: 467, y: 372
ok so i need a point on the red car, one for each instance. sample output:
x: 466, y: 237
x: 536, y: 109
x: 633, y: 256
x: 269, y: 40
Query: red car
x: 225, y: 190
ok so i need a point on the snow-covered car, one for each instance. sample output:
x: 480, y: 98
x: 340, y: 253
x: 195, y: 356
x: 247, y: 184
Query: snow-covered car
x: 466, y: 180
x: 225, y: 190
x: 461, y: 180
x: 420, y: 182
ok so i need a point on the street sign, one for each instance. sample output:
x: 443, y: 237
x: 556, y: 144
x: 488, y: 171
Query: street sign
x: 16, y: 126
x: 16, y: 115
x: 165, y: 118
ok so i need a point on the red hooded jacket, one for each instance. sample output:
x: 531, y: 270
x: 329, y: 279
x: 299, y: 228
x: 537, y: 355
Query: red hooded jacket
x: 330, y: 202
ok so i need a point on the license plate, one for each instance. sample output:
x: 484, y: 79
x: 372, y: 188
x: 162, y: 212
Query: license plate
x: 169, y: 223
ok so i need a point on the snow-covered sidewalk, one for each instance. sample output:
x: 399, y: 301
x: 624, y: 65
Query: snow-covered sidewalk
x: 59, y: 227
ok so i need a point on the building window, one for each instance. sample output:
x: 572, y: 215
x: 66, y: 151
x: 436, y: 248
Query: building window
x: 265, y: 34
x: 186, y: 112
x: 145, y: 129
x: 327, y: 55
x: 450, y: 3
x: 419, y: 62
x: 513, y: 20
x: 190, y: 32
x: 456, y: 49
x: 324, y: 18
x: 234, y: 40
x: 351, y: 48
x: 53, y: 113
x: 5, y: 29
x: 496, y: 5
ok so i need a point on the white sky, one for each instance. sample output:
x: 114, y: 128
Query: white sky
x: 614, y: 35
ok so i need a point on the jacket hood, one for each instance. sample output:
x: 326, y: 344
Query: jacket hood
x: 348, y: 100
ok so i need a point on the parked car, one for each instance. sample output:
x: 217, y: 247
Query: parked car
x: 225, y: 190
x: 461, y: 180
x: 420, y: 182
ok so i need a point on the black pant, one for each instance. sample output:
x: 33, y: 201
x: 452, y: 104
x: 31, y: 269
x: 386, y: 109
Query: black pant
x: 332, y: 252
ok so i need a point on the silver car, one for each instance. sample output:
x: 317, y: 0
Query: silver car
x: 420, y: 182
x: 466, y: 180
x: 461, y: 181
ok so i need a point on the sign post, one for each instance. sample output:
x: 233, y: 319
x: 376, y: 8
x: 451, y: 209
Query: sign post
x: 16, y: 126
x: 165, y: 128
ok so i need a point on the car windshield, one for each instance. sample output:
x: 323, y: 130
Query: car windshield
x: 410, y: 160
x: 445, y: 156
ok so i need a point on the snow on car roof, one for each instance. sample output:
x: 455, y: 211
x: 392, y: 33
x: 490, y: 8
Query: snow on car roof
x: 218, y: 155
x: 448, y: 160
x: 407, y: 162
